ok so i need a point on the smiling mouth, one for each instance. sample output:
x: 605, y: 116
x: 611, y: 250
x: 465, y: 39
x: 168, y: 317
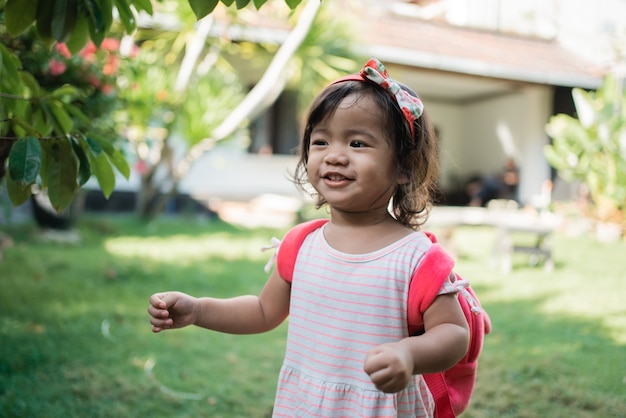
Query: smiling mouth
x: 336, y: 180
x: 335, y: 177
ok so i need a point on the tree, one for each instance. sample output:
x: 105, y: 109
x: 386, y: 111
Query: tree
x: 209, y: 109
x: 67, y: 110
x: 170, y: 102
x: 592, y: 147
x: 40, y: 131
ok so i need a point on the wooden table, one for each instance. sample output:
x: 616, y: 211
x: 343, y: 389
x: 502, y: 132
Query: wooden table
x: 511, y: 225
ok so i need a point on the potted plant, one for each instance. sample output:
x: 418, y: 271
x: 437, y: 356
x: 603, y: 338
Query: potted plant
x: 592, y: 149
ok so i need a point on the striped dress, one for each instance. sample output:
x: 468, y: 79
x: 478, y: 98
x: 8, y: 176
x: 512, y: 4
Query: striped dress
x: 342, y: 305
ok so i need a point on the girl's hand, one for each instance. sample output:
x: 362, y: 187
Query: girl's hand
x: 445, y: 342
x: 171, y: 310
x: 390, y: 366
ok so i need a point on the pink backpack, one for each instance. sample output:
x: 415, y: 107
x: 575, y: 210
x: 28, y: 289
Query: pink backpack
x: 451, y: 389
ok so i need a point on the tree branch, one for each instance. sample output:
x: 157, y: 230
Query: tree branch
x: 264, y: 92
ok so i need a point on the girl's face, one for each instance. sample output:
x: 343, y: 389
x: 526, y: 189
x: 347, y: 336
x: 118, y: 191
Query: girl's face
x: 350, y: 161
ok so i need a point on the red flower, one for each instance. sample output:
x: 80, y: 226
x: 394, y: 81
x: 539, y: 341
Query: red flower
x: 110, y: 67
x: 134, y: 51
x: 141, y: 166
x: 93, y: 80
x: 107, y: 89
x: 56, y: 67
x: 110, y: 44
x: 88, y: 51
x: 62, y: 49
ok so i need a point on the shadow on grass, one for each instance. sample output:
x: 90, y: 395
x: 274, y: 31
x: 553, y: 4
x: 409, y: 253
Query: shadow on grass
x: 540, y: 365
x: 75, y: 339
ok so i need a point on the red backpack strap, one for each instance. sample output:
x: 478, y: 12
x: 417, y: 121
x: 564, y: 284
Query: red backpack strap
x: 452, y: 388
x: 438, y: 387
x: 290, y: 245
x: 426, y: 283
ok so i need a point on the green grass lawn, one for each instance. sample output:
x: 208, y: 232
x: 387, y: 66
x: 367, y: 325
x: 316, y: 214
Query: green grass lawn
x: 75, y: 339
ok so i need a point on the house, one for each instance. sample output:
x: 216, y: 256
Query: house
x: 490, y: 92
x: 490, y: 72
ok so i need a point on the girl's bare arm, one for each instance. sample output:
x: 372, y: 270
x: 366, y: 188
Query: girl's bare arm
x: 444, y: 343
x: 247, y: 314
x: 239, y: 315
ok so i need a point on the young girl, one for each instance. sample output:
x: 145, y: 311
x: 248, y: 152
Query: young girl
x: 369, y: 153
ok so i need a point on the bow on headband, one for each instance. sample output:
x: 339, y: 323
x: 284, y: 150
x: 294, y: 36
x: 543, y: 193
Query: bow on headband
x: 374, y: 70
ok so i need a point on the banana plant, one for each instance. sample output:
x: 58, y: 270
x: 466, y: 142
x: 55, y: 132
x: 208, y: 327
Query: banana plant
x: 592, y: 147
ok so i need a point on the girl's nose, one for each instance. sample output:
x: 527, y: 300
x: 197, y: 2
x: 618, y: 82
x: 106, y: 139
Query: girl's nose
x: 336, y: 156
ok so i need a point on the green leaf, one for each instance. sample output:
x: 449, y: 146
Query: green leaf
x: 63, y: 120
x: 19, y: 15
x: 241, y: 3
x: 20, y: 126
x: 201, y: 8
x: 31, y: 83
x: 609, y: 91
x: 104, y: 173
x: 40, y: 123
x: 126, y: 15
x: 9, y: 66
x: 584, y: 107
x: 64, y: 90
x: 84, y: 168
x: 100, y: 14
x: 145, y: 5
x: 45, y: 12
x: 62, y: 172
x: 106, y: 7
x: 78, y: 114
x: 118, y: 160
x: 259, y: 3
x: 45, y: 158
x: 103, y: 142
x: 293, y: 3
x: 63, y: 19
x: 96, y: 21
x: 17, y: 194
x: 115, y: 155
x: 79, y: 36
x: 25, y: 161
x: 94, y: 146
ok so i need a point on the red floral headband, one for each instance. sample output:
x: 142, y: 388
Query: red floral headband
x: 374, y: 71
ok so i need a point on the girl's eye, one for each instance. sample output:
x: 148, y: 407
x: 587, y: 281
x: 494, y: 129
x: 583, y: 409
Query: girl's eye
x: 318, y: 142
x: 357, y: 144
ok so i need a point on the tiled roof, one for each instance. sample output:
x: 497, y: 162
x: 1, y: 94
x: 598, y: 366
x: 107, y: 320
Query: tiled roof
x: 444, y: 47
x: 441, y: 47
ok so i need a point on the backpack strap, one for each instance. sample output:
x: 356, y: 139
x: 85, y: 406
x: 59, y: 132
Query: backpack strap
x: 433, y: 270
x: 425, y: 285
x: 452, y: 388
x: 290, y: 245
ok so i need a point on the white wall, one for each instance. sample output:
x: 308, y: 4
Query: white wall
x: 476, y: 138
x: 447, y: 120
x: 534, y: 167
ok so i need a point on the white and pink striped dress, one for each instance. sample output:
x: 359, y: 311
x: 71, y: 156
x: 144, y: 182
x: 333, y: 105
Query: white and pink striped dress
x: 342, y: 305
